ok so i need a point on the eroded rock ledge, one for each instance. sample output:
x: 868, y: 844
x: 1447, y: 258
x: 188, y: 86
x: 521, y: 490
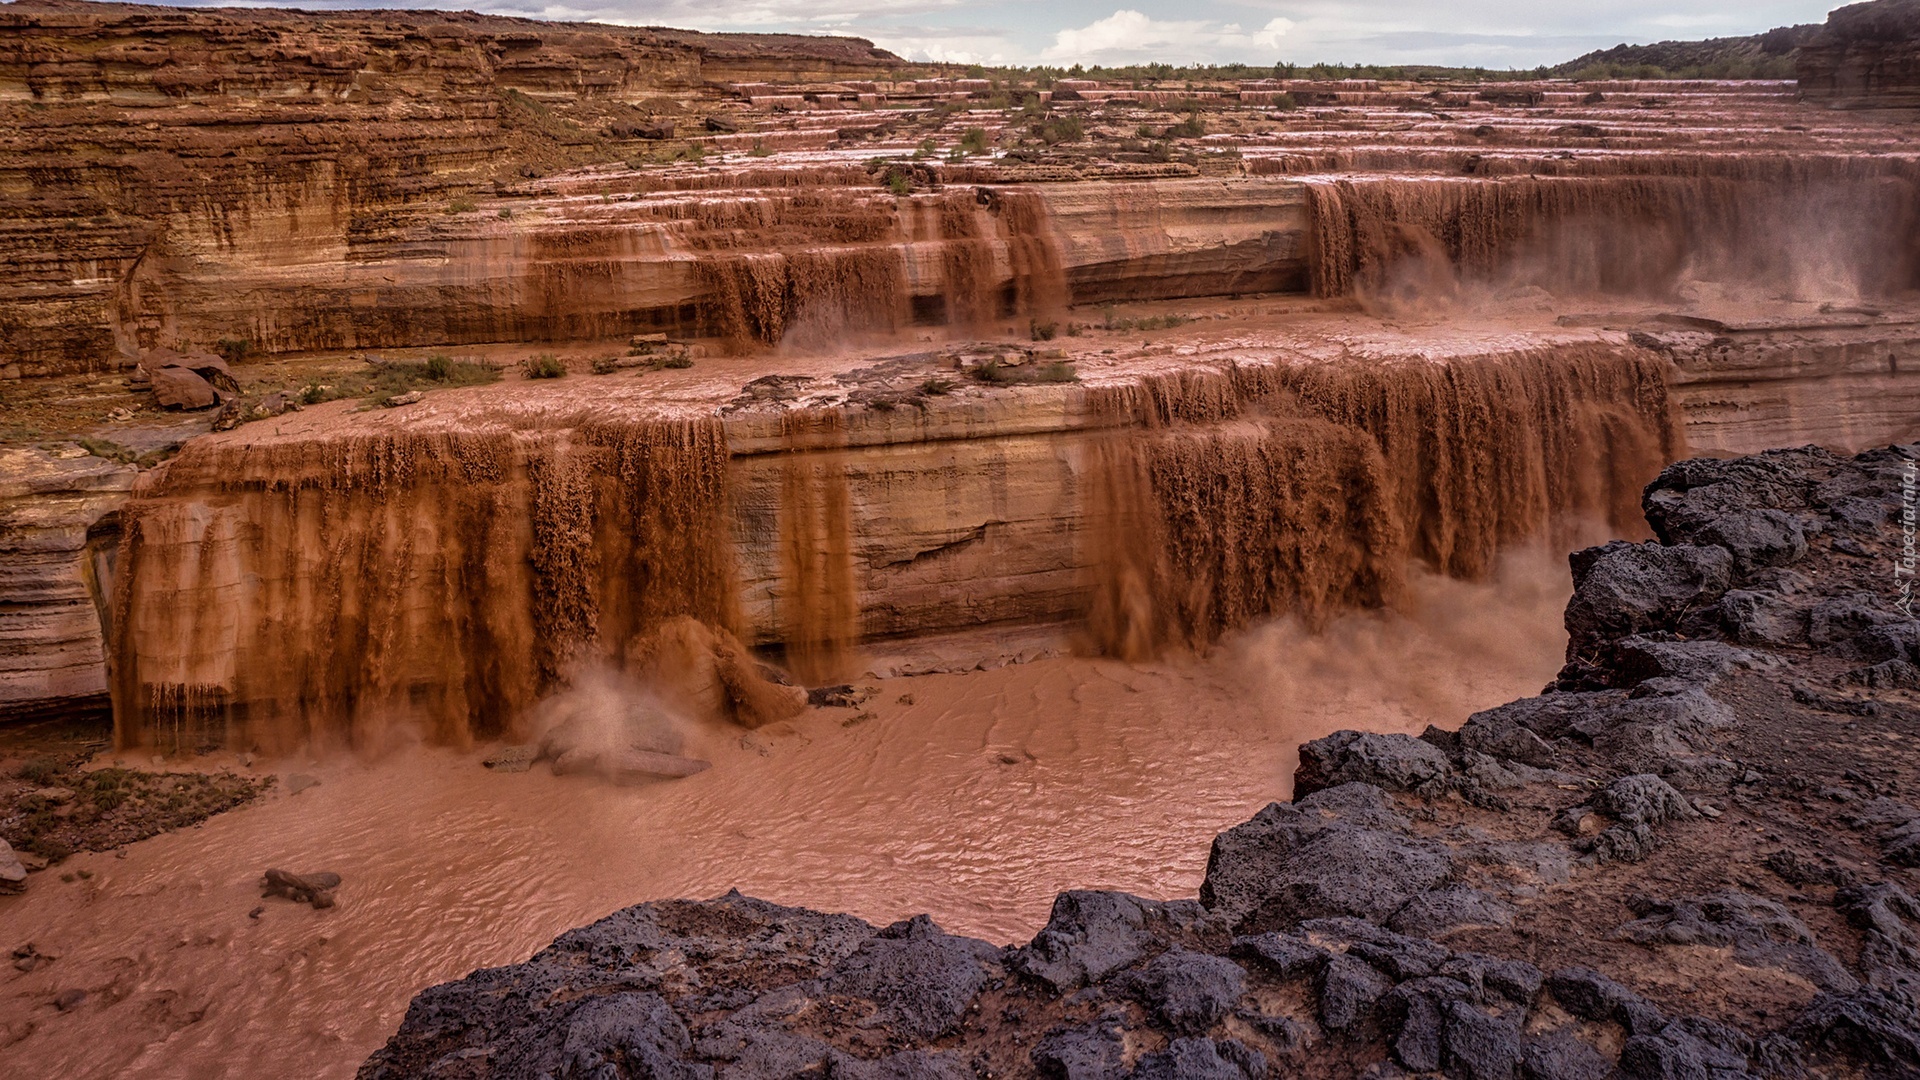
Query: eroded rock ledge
x: 1692, y: 856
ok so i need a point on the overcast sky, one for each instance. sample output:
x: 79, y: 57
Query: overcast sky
x: 1488, y: 33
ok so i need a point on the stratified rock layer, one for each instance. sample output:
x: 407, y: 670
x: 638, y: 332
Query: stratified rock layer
x: 1678, y: 861
x: 160, y: 160
x: 321, y: 181
x: 58, y: 541
x: 1866, y: 57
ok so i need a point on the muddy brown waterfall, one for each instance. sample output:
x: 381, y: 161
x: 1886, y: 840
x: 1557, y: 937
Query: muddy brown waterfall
x: 444, y: 579
x: 1844, y: 232
x: 517, y: 470
x: 1306, y: 488
x: 819, y: 609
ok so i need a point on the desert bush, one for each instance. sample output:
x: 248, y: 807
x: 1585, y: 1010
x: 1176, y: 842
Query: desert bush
x: 543, y: 366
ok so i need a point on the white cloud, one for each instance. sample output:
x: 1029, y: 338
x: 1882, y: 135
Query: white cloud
x: 1129, y: 36
x: 1269, y: 35
x: 1494, y: 33
x: 952, y: 50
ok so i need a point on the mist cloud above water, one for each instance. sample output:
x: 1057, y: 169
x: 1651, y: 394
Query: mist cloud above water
x: 1487, y: 33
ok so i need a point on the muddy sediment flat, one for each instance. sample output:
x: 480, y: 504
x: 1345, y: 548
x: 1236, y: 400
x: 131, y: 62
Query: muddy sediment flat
x: 975, y: 802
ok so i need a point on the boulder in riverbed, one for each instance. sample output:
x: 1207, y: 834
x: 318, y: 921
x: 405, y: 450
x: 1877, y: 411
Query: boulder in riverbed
x: 316, y: 888
x: 13, y: 873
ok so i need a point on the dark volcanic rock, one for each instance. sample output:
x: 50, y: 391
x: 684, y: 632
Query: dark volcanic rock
x: 1761, y: 932
x: 919, y: 976
x: 1201, y: 1059
x: 1388, y: 762
x: 1188, y: 991
x: 1560, y: 1056
x: 1087, y: 1052
x: 1590, y: 995
x: 1434, y: 913
x: 1092, y: 934
x: 1737, y: 725
x: 1480, y: 1046
x: 1623, y: 589
x: 1877, y: 1026
x: 1348, y: 990
x: 1285, y: 955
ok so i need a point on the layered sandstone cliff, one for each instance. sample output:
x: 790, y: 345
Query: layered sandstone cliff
x: 147, y: 146
x: 58, y: 541
x: 1866, y: 57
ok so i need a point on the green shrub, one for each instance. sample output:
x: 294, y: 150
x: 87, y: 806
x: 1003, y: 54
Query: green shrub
x: 461, y: 206
x: 936, y: 386
x: 974, y: 140
x: 898, y: 183
x: 759, y: 149
x: 1042, y: 331
x: 392, y: 378
x: 233, y: 350
x: 677, y: 362
x: 1150, y: 322
x: 544, y: 366
x: 106, y: 448
x: 1058, y: 129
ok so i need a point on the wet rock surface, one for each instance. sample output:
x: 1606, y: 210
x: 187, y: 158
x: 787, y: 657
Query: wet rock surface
x: 1692, y: 856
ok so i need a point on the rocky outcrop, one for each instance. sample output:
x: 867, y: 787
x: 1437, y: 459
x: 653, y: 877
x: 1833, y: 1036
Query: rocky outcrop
x: 58, y: 538
x: 1514, y: 899
x: 1866, y: 57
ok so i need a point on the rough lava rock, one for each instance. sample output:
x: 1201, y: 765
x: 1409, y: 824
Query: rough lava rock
x: 1396, y: 917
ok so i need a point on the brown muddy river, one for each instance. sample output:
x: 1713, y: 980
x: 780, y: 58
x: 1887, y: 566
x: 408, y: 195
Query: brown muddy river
x: 971, y: 797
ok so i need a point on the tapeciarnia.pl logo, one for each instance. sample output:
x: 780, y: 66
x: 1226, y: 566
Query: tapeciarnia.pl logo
x: 1903, y: 567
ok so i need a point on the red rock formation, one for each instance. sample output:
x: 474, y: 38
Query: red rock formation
x: 1866, y: 57
x: 155, y: 156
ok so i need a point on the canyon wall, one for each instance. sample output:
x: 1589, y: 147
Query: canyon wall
x: 464, y: 558
x: 1866, y: 57
x: 763, y: 265
x: 58, y: 541
x: 307, y: 182
x: 144, y: 150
